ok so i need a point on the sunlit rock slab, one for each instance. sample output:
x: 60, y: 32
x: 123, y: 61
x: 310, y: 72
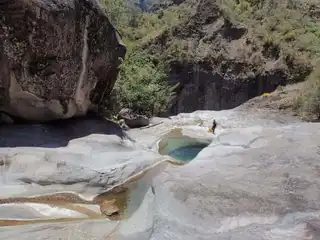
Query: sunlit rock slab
x: 88, y: 165
x: 251, y: 183
x: 257, y: 180
x: 197, y: 124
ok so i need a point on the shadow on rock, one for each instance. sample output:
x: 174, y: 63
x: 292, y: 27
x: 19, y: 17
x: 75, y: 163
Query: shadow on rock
x: 56, y: 133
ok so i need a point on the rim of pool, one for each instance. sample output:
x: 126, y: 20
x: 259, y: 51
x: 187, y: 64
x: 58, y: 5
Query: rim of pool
x: 181, y: 147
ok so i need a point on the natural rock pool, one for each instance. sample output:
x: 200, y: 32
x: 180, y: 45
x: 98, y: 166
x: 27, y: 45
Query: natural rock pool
x: 187, y: 153
x: 181, y: 147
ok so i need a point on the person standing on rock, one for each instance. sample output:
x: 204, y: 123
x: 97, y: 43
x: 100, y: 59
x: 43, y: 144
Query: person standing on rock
x: 214, y: 125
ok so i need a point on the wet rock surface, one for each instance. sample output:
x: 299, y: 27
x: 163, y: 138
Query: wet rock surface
x: 258, y: 179
x: 57, y: 58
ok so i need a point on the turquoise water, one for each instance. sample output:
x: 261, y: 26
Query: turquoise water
x: 187, y: 153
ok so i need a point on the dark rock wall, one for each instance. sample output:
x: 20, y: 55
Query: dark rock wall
x: 203, y: 88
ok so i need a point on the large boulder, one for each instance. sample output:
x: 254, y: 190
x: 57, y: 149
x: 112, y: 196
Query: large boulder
x: 57, y: 58
x: 131, y: 119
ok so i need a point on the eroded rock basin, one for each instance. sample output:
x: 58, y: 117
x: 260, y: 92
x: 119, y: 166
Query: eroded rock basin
x: 181, y: 147
x: 56, y: 175
x: 252, y: 182
x: 116, y: 203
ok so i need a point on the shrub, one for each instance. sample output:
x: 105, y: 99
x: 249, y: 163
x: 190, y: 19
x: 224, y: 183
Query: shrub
x: 284, y: 23
x: 116, y: 11
x: 142, y: 85
x: 308, y: 103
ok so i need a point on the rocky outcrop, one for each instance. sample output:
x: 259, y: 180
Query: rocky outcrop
x: 131, y: 119
x: 57, y: 58
x: 219, y: 63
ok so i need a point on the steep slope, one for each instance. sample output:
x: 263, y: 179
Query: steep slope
x: 220, y: 61
x: 220, y: 52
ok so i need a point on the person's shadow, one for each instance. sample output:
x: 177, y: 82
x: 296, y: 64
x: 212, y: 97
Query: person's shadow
x: 56, y: 133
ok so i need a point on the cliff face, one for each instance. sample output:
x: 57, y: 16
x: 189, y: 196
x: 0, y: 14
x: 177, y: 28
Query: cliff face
x: 218, y: 62
x: 57, y: 58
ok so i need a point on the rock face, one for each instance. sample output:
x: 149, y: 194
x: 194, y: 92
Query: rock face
x: 218, y: 63
x: 57, y: 58
x: 253, y: 182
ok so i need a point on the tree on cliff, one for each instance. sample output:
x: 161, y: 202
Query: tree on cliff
x: 141, y: 84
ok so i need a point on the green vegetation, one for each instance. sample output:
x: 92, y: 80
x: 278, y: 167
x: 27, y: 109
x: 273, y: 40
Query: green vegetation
x: 284, y: 24
x: 308, y: 103
x: 287, y: 26
x: 281, y: 22
x: 142, y: 84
